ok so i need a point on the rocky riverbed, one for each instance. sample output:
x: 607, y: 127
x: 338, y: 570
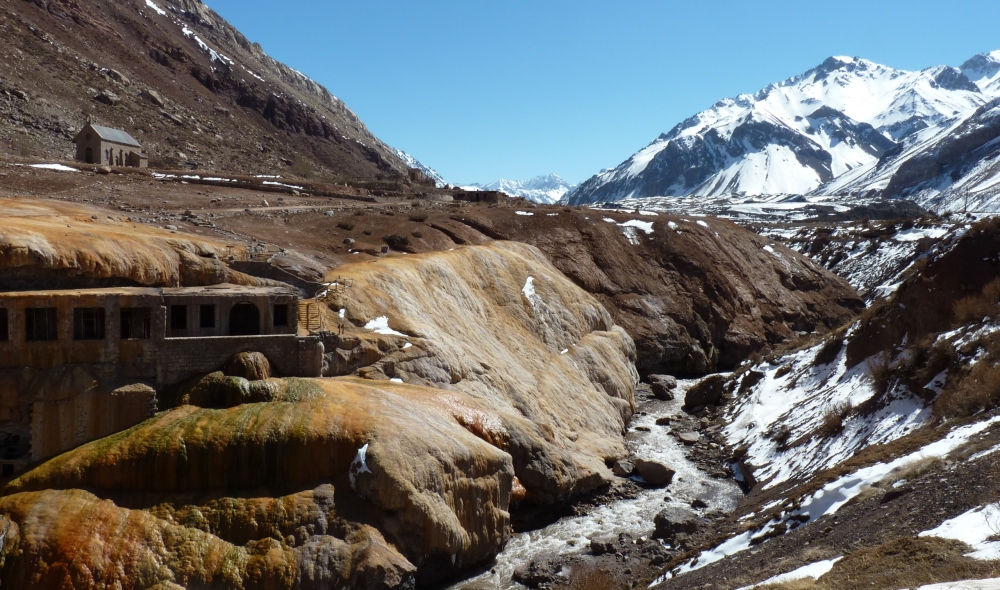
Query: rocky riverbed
x: 617, y: 535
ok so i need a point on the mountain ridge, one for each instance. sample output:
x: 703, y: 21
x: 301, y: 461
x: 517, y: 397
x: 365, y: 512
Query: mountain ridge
x: 546, y: 189
x: 801, y: 134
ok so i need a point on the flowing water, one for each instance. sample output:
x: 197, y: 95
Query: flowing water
x: 572, y: 534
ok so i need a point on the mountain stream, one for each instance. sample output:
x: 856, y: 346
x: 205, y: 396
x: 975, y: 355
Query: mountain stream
x: 571, y: 535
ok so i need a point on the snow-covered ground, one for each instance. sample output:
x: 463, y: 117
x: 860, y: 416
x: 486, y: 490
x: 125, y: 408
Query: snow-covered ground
x: 974, y: 527
x: 635, y: 517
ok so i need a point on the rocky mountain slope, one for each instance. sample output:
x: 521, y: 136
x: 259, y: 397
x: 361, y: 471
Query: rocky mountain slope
x: 875, y: 442
x: 540, y: 189
x: 192, y: 89
x: 821, y: 131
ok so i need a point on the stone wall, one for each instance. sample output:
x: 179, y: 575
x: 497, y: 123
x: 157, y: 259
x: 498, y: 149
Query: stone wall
x: 58, y: 426
x: 290, y: 355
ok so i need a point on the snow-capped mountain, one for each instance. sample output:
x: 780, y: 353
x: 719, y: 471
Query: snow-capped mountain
x: 540, y: 189
x: 412, y: 162
x: 839, y: 119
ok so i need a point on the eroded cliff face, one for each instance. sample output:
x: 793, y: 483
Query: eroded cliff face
x: 697, y: 294
x: 516, y: 386
x: 53, y: 245
x: 546, y: 374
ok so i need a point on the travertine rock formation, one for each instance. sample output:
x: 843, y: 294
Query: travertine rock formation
x: 52, y: 245
x: 517, y: 388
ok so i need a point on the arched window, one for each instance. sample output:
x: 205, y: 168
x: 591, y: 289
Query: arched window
x: 244, y: 319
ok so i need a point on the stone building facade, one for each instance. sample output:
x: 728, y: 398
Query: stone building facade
x: 77, y: 365
x: 96, y: 144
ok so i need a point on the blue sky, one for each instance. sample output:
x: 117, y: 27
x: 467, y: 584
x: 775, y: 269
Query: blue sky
x: 514, y: 89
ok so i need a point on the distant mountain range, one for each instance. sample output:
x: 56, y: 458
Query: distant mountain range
x: 846, y: 127
x: 540, y: 189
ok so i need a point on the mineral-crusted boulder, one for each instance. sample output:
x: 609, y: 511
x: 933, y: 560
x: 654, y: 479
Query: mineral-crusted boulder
x: 252, y: 366
x: 55, y: 245
x: 655, y: 473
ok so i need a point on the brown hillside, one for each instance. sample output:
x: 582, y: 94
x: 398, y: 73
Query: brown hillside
x: 206, y: 99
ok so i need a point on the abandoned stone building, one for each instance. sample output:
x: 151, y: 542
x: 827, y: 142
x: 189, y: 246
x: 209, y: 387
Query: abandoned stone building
x: 105, y: 146
x: 77, y: 365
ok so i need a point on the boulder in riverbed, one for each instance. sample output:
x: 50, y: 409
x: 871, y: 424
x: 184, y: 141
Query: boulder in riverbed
x: 672, y: 521
x: 663, y: 386
x: 623, y: 468
x: 655, y: 473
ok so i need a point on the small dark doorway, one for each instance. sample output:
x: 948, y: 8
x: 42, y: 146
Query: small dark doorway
x: 89, y: 156
x: 244, y: 320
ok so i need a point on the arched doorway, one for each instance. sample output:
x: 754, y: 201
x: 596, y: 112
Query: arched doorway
x: 89, y: 156
x: 244, y: 320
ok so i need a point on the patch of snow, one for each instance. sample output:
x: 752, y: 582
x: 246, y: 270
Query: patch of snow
x: 58, y: 167
x: 158, y: 10
x: 991, y: 584
x: 812, y: 570
x: 528, y: 213
x: 272, y: 183
x: 644, y: 226
x: 702, y: 223
x: 359, y: 465
x: 380, y: 325
x: 396, y: 380
x: 973, y: 528
x: 407, y: 345
x: 342, y: 313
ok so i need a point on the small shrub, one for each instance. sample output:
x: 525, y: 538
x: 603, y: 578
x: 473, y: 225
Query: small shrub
x: 397, y: 242
x: 359, y: 213
x: 879, y: 371
x: 367, y: 232
x: 419, y: 217
x: 982, y: 305
x: 833, y: 419
x: 781, y: 436
x: 346, y: 225
x: 829, y: 351
x: 417, y: 234
x: 979, y: 390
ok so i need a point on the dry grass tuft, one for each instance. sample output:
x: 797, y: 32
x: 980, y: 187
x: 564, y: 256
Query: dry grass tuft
x: 979, y: 390
x: 879, y: 371
x: 833, y: 419
x: 983, y: 305
x: 905, y: 562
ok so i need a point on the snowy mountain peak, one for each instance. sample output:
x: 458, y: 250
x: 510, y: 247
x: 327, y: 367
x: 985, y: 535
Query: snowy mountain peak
x: 984, y: 71
x: 540, y: 189
x: 796, y: 135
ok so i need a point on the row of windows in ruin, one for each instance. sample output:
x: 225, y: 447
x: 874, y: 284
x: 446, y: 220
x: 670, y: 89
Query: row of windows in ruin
x: 89, y: 323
